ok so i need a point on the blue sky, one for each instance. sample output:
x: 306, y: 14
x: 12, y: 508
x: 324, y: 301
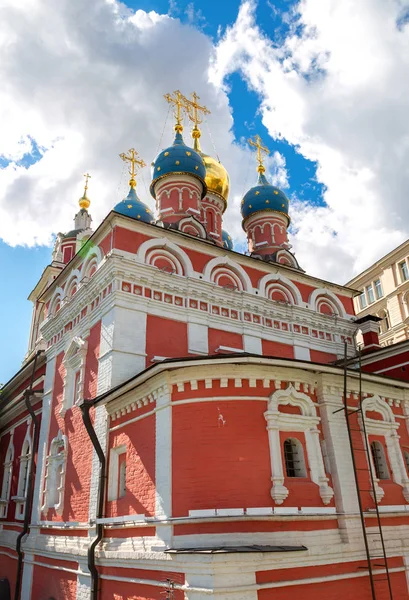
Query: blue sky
x: 21, y: 267
x: 326, y: 86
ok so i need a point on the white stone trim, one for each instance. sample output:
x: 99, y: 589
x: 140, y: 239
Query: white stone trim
x: 7, y: 477
x: 317, y: 293
x: 172, y: 248
x: 284, y: 281
x: 56, y: 471
x: 74, y: 362
x: 307, y: 422
x: 113, y: 477
x: 225, y: 261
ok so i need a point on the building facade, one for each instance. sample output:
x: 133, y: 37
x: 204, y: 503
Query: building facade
x: 178, y: 427
x: 384, y: 292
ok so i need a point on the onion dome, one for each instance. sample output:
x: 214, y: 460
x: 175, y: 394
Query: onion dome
x: 264, y: 196
x: 131, y: 206
x: 217, y: 179
x: 227, y: 241
x: 178, y: 159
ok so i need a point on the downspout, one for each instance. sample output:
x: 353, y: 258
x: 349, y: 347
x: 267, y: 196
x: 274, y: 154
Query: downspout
x: 30, y: 483
x: 99, y: 528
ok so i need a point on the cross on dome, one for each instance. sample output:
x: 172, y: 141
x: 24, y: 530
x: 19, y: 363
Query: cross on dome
x: 179, y: 102
x: 194, y: 113
x: 133, y: 158
x: 260, y: 149
x: 84, y: 201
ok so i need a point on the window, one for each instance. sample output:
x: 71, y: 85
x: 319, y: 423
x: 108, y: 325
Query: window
x: 6, y: 485
x: 294, y: 458
x: 23, y: 477
x: 385, y: 323
x: 122, y: 476
x: 117, y: 473
x: 379, y: 460
x: 362, y: 300
x: 369, y: 291
x: 74, y: 363
x: 404, y: 272
x: 55, y: 477
x: 378, y: 289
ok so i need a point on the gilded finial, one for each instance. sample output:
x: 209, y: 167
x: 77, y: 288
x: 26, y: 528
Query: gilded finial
x: 179, y: 102
x: 133, y: 159
x: 84, y: 201
x: 194, y: 110
x: 260, y: 148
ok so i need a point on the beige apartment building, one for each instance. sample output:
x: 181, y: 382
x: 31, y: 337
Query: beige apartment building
x: 384, y: 288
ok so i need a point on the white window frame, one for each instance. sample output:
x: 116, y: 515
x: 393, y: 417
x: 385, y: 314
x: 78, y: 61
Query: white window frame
x: 402, y: 270
x: 388, y: 428
x: 362, y: 295
x: 306, y: 422
x: 369, y: 289
x: 7, y: 478
x: 24, y: 472
x: 55, y: 474
x: 113, y: 477
x: 297, y: 450
x: 74, y: 362
x: 378, y: 296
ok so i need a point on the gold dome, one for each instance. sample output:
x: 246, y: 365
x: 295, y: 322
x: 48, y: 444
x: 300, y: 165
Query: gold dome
x: 217, y: 178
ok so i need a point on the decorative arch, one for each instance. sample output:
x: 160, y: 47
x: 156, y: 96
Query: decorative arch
x: 291, y: 396
x: 73, y: 282
x: 192, y: 226
x: 55, y: 476
x: 283, y: 283
x: 321, y: 295
x: 307, y: 423
x: 7, y: 475
x: 375, y: 404
x: 171, y: 248
x: 385, y: 324
x: 283, y: 257
x: 236, y: 271
x: 92, y: 262
x: 74, y: 363
x: 164, y: 261
x: 56, y: 300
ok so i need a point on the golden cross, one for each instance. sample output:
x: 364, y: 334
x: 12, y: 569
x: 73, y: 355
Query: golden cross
x: 260, y: 148
x: 195, y: 108
x: 87, y: 176
x: 179, y: 101
x: 132, y: 158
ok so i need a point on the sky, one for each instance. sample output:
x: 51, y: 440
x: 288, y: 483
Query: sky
x: 325, y: 84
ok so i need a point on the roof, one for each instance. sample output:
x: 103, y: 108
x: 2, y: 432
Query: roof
x: 384, y: 259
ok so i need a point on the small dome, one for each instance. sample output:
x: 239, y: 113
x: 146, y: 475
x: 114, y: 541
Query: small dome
x: 217, y: 179
x: 264, y: 196
x: 178, y: 159
x: 131, y: 206
x: 227, y: 241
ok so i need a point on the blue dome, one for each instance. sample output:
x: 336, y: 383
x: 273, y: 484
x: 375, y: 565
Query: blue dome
x: 227, y: 241
x: 263, y: 196
x: 178, y: 158
x: 131, y: 206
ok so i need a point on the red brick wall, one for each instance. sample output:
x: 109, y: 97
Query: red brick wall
x: 218, y: 337
x: 91, y: 364
x: 53, y: 583
x: 165, y: 337
x: 139, y: 439
x: 277, y: 349
x: 227, y: 464
x: 8, y: 569
x: 322, y: 357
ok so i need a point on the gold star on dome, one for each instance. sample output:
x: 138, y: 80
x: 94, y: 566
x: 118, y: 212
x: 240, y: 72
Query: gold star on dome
x: 267, y: 201
x: 257, y: 193
x: 129, y: 206
x: 276, y: 193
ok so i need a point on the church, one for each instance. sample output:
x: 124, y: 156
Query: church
x: 193, y: 422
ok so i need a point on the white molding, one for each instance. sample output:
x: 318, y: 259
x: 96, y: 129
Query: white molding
x: 317, y: 293
x: 166, y: 244
x: 287, y: 283
x: 225, y: 261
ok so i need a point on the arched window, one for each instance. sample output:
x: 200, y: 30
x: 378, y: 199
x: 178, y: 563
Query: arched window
x: 55, y: 478
x: 379, y: 460
x: 23, y: 478
x: 6, y: 485
x: 385, y: 323
x: 294, y: 458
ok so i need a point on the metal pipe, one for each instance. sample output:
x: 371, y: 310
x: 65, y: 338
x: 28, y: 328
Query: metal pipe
x: 30, y: 482
x: 99, y: 528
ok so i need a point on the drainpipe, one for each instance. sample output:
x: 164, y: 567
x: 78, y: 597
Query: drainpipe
x: 85, y: 409
x: 30, y: 482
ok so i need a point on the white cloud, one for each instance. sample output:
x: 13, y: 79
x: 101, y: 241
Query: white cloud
x: 85, y: 81
x: 339, y: 92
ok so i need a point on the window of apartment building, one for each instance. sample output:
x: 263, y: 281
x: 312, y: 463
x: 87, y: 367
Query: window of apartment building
x: 370, y: 294
x: 362, y: 300
x: 378, y: 289
x: 404, y: 272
